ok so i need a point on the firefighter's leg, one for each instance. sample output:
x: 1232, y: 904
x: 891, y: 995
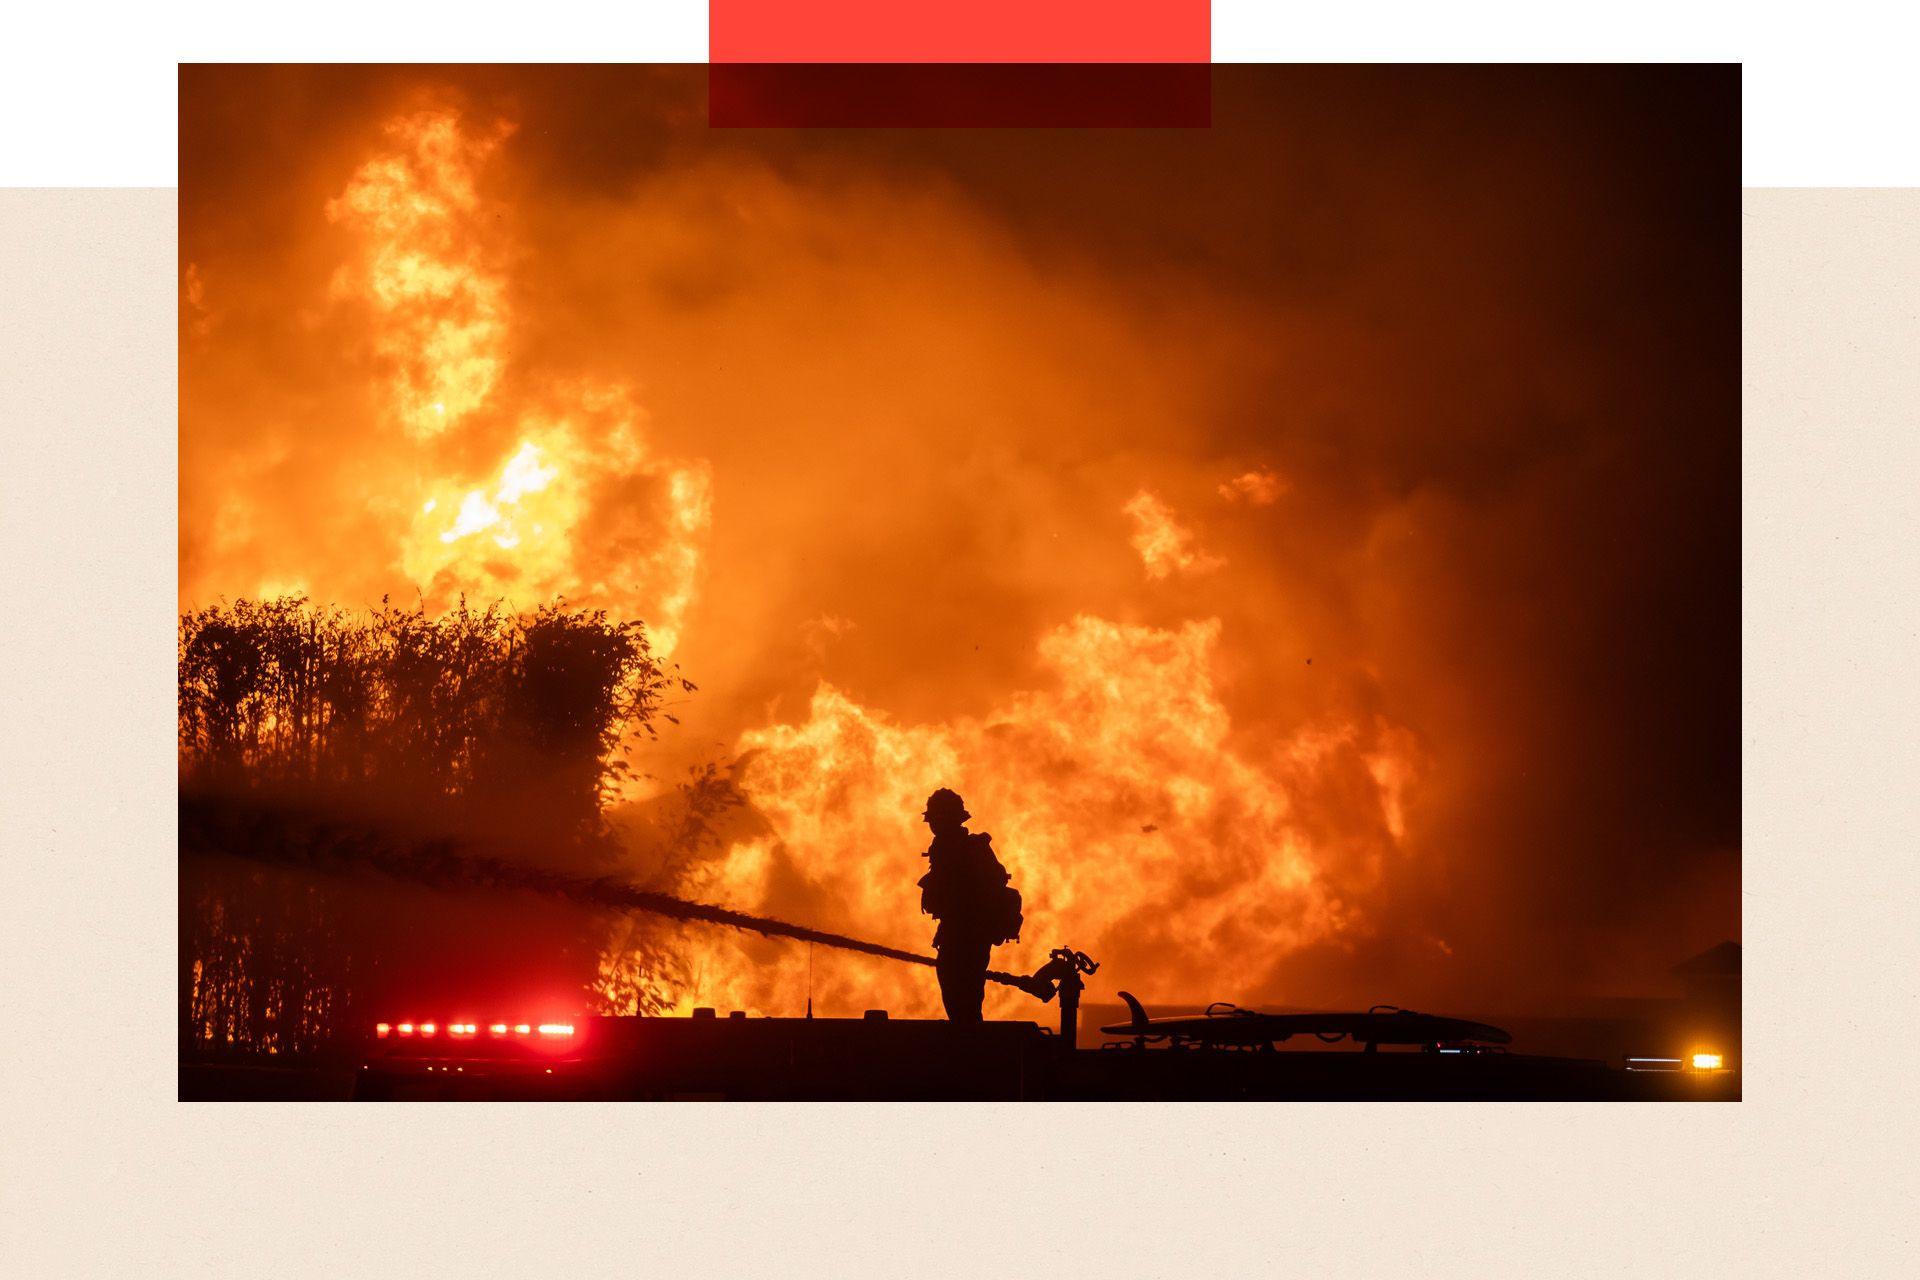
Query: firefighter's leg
x: 952, y: 971
x: 963, y: 979
x: 976, y: 993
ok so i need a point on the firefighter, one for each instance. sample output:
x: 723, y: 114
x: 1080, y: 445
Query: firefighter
x: 967, y: 891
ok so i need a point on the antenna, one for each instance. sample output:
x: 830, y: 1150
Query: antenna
x: 809, y: 982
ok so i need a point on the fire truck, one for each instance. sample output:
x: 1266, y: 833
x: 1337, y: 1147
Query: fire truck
x: 1221, y: 1053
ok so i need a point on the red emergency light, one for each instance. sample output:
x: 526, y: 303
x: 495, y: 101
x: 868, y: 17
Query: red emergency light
x: 462, y: 1030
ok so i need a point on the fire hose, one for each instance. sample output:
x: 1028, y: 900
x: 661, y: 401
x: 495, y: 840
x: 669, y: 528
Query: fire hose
x: 282, y: 837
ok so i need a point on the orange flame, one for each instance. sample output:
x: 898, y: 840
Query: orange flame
x: 424, y: 269
x: 1131, y: 821
x: 1166, y: 546
x: 573, y: 477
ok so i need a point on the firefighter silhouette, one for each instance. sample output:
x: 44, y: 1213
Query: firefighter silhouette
x: 967, y: 891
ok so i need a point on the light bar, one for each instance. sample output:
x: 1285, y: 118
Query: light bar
x: 1707, y: 1061
x: 383, y: 1030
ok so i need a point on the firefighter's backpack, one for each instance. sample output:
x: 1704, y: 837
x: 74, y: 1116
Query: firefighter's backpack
x: 1008, y: 919
x: 1005, y: 911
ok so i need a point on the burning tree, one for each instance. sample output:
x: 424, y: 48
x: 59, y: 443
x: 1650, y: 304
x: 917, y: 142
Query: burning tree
x: 305, y: 729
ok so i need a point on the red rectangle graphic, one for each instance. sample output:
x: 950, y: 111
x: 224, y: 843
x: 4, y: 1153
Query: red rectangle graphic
x: 960, y: 31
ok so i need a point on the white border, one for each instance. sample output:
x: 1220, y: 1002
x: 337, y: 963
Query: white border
x: 87, y: 92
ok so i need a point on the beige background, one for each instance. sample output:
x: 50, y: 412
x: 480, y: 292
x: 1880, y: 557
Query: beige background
x: 103, y: 1173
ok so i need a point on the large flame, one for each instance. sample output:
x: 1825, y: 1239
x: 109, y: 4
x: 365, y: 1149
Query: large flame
x: 1116, y: 796
x: 584, y: 481
x: 425, y: 268
x: 573, y: 503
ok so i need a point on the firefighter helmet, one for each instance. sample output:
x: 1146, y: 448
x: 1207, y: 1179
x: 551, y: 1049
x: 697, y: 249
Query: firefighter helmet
x: 946, y: 804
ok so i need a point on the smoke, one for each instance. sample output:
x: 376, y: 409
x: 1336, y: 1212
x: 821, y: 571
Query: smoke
x: 1418, y: 386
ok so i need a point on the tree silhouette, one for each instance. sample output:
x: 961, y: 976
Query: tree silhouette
x: 507, y: 731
